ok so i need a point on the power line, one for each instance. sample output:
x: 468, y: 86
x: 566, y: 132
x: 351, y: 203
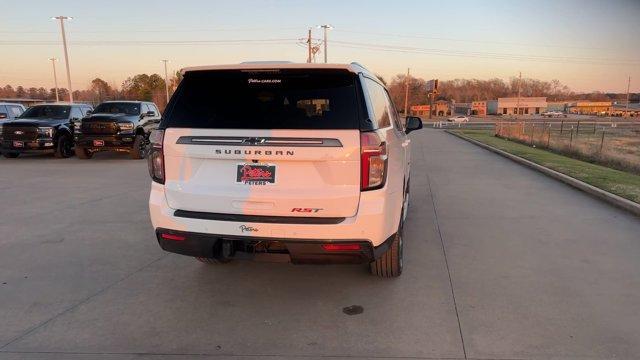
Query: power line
x: 487, y: 55
x: 156, y: 30
x: 472, y: 40
x: 152, y: 42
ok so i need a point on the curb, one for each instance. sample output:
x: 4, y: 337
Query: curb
x: 612, y: 199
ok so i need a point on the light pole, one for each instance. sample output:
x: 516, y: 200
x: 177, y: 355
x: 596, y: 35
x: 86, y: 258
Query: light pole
x: 325, y: 28
x: 628, y: 86
x: 166, y: 80
x: 406, y: 93
x: 55, y: 77
x: 66, y: 54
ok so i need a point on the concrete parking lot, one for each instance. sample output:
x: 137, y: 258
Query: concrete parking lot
x: 501, y: 263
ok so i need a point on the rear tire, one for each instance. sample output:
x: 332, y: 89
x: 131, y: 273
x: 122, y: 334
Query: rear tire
x: 212, y: 261
x: 63, y: 148
x: 390, y: 263
x: 11, y: 155
x: 139, y: 150
x: 83, y: 153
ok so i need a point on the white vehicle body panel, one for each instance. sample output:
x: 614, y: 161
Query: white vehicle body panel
x: 377, y: 219
x: 203, y: 177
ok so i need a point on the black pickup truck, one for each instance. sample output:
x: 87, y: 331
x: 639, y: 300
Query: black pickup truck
x: 122, y: 126
x: 42, y: 128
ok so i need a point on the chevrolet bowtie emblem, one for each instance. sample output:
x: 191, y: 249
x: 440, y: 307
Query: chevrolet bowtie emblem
x: 253, y: 141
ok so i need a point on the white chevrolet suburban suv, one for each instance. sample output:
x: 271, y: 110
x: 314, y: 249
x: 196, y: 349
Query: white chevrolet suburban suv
x: 309, y: 161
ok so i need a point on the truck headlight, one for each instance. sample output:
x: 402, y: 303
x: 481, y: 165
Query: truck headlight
x: 125, y: 127
x: 46, y: 131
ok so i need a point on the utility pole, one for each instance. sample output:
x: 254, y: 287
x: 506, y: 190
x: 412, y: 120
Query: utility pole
x: 55, y: 77
x: 406, y: 93
x: 430, y: 104
x: 166, y: 80
x: 518, y: 102
x: 325, y: 28
x: 628, y: 86
x: 66, y: 55
x: 309, y: 46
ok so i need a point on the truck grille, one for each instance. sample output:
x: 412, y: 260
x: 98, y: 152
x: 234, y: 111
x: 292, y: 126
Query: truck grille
x: 22, y: 133
x: 99, y: 128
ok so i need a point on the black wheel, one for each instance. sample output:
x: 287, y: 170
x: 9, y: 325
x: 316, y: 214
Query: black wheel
x: 11, y: 155
x: 390, y: 263
x: 63, y: 148
x: 212, y: 261
x: 83, y: 153
x: 139, y: 150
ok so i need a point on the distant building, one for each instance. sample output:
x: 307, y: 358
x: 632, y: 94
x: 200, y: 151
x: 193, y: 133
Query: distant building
x: 419, y: 110
x: 462, y: 108
x: 522, y: 106
x: 442, y: 108
x: 479, y: 108
x: 562, y: 106
x: 590, y: 107
x: 492, y: 107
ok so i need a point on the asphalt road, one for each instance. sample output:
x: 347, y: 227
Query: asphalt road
x: 501, y: 262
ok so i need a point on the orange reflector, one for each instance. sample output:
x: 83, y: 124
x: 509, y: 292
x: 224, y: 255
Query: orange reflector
x: 173, y: 237
x: 341, y: 247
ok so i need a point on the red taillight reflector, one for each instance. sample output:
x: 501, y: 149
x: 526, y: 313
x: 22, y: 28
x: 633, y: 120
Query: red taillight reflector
x: 156, y: 156
x: 173, y: 237
x: 373, y: 160
x: 341, y: 247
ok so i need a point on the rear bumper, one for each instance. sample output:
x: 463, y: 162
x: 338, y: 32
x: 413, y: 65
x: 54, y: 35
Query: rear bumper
x: 376, y: 221
x: 118, y: 142
x: 45, y: 144
x: 299, y: 250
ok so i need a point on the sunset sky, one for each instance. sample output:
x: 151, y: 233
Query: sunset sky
x: 588, y: 45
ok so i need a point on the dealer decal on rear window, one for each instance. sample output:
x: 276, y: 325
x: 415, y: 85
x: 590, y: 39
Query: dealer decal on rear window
x: 256, y: 174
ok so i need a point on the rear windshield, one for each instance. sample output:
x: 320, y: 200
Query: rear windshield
x: 274, y: 99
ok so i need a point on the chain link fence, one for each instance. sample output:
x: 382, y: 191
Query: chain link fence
x: 612, y: 144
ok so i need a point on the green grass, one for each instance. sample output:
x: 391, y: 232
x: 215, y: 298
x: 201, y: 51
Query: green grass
x: 621, y: 183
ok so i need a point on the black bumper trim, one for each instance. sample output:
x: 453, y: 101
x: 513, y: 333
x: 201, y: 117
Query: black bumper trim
x: 299, y: 250
x: 111, y: 142
x: 29, y: 146
x: 258, y: 218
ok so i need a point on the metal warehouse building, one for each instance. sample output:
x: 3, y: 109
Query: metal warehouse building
x: 522, y: 106
x: 590, y: 107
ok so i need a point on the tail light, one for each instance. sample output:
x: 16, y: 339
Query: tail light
x: 341, y: 247
x: 373, y: 161
x: 173, y: 237
x: 156, y: 156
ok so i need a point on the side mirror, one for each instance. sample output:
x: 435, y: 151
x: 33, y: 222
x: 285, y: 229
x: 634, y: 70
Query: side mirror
x: 150, y: 113
x: 3, y: 116
x: 89, y: 112
x: 413, y: 123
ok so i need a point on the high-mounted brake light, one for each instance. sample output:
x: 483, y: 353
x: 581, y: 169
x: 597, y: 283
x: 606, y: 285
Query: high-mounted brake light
x: 156, y: 156
x: 373, y: 161
x: 341, y: 247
